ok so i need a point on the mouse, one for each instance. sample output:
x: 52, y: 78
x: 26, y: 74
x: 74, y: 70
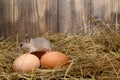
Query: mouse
x: 36, y: 44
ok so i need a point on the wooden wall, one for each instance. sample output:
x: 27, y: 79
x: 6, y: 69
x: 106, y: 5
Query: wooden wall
x: 19, y: 17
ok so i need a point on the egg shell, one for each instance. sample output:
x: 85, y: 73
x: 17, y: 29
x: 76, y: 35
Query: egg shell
x: 26, y: 63
x: 39, y: 54
x: 53, y: 60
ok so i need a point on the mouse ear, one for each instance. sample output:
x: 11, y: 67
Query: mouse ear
x: 26, y: 38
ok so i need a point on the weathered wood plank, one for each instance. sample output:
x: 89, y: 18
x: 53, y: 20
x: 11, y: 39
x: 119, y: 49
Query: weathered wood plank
x: 52, y: 16
x: 70, y: 16
x: 41, y: 7
x: 87, y: 16
x: 18, y: 17
x: 104, y: 9
x: 6, y: 18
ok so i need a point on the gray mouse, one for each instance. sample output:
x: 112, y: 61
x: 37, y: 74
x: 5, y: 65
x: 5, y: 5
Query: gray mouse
x: 36, y: 44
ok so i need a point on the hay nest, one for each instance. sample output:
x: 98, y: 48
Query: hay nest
x: 91, y: 57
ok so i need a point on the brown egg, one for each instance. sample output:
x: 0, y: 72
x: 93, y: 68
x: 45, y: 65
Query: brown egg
x: 39, y: 54
x: 26, y: 62
x: 53, y: 60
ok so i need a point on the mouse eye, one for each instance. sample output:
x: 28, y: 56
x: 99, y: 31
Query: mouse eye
x: 21, y: 45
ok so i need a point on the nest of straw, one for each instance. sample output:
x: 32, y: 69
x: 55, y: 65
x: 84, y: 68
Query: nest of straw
x: 91, y: 57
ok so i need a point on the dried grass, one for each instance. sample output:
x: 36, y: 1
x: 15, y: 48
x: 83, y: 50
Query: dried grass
x: 91, y: 57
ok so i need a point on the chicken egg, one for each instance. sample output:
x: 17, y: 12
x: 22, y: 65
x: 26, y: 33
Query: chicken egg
x: 53, y: 60
x: 39, y: 54
x: 26, y: 62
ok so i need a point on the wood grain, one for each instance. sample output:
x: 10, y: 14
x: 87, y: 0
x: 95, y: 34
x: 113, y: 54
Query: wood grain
x: 20, y: 17
x: 70, y: 16
x: 52, y: 16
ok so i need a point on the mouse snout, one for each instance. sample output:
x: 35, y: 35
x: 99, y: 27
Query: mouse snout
x: 18, y: 48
